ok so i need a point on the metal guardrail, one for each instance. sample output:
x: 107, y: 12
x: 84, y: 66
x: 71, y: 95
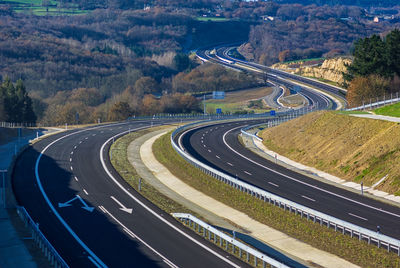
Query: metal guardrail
x: 324, y: 219
x: 223, y: 239
x: 48, y: 250
x: 374, y: 105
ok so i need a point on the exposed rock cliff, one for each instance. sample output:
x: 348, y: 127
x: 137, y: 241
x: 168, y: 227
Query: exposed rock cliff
x: 331, y: 69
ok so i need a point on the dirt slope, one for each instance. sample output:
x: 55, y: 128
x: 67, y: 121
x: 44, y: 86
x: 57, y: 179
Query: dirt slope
x: 355, y: 149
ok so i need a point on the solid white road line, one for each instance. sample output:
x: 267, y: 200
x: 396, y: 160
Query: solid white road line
x: 354, y: 215
x: 138, y: 238
x: 276, y: 185
x: 154, y: 213
x: 302, y: 182
x: 309, y: 198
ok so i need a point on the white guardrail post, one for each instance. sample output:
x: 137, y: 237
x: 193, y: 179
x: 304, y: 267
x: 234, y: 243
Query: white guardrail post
x: 323, y: 219
x: 216, y: 236
x: 48, y: 250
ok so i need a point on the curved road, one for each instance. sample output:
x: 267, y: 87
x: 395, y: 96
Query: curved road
x: 68, y: 187
x: 217, y: 145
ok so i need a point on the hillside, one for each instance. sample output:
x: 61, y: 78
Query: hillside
x: 330, y: 69
x: 351, y: 148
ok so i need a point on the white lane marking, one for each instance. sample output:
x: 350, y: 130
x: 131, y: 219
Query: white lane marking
x: 202, y: 141
x: 76, y: 178
x: 122, y: 207
x: 102, y: 132
x: 70, y: 160
x: 354, y: 215
x: 217, y: 156
x: 248, y: 173
x: 94, y: 262
x: 230, y: 164
x: 309, y: 198
x: 154, y: 213
x: 102, y: 209
x: 204, y: 146
x: 86, y: 138
x: 80, y: 142
x: 130, y: 233
x: 72, y: 152
x: 75, y: 147
x: 276, y: 185
x: 302, y: 182
x: 138, y: 238
x: 85, y: 192
x: 55, y: 212
x: 71, y: 168
x: 93, y: 135
x: 209, y: 150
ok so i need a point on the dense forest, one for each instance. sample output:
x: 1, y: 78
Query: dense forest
x: 119, y: 58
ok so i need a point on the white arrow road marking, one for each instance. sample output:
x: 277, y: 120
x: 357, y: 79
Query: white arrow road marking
x: 68, y: 203
x: 122, y: 207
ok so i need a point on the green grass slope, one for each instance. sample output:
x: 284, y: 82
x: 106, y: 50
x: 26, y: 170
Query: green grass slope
x: 355, y: 149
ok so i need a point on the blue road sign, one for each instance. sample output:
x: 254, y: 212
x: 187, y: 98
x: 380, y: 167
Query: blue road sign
x: 272, y: 113
x: 219, y: 111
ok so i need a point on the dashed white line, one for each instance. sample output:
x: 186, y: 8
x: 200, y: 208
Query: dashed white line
x: 248, y: 173
x: 72, y: 152
x: 230, y: 164
x: 308, y: 198
x: 76, y: 178
x: 204, y: 146
x: 86, y: 138
x: 209, y: 150
x: 80, y: 142
x: 354, y: 215
x: 217, y: 156
x: 85, y: 192
x: 274, y: 184
x: 72, y: 168
x: 75, y: 147
x: 70, y: 160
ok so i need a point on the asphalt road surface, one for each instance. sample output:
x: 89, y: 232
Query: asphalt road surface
x: 218, y: 146
x: 68, y: 187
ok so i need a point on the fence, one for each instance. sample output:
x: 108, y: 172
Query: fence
x: 377, y: 103
x: 48, y: 250
x: 223, y: 239
x: 311, y: 214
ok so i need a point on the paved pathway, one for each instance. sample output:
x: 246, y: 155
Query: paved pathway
x: 260, y: 231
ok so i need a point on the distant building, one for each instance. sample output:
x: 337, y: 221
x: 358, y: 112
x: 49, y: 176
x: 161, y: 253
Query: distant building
x: 267, y: 18
x: 376, y: 19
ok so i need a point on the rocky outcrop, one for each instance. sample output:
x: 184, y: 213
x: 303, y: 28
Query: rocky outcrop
x: 331, y: 69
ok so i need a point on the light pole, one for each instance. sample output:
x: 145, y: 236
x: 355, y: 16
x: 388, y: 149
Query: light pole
x: 4, y: 171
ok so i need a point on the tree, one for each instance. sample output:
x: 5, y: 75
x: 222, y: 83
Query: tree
x: 119, y: 111
x: 145, y: 85
x: 393, y: 51
x: 181, y: 62
x: 362, y: 89
x: 370, y: 57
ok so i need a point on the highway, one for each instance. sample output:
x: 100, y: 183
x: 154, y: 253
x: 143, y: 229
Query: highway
x: 217, y: 145
x: 316, y: 98
x: 93, y: 217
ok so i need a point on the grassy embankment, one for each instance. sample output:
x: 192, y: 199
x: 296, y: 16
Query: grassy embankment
x: 318, y: 236
x: 389, y: 110
x: 354, y: 149
x: 35, y: 7
x: 239, y: 101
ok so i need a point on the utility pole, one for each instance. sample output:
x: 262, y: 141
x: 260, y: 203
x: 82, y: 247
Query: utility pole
x: 204, y: 104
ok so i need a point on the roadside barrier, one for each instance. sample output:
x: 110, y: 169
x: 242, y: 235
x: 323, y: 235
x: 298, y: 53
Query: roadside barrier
x: 376, y: 238
x: 48, y: 250
x: 227, y: 242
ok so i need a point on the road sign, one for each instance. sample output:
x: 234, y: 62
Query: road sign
x: 219, y: 95
x: 272, y: 113
x: 219, y: 111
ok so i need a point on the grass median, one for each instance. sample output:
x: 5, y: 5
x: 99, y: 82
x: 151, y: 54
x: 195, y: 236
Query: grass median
x: 344, y: 246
